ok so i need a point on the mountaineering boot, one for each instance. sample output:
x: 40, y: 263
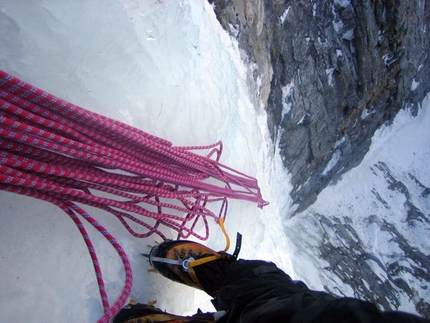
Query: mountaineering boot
x: 141, y: 313
x: 176, y: 260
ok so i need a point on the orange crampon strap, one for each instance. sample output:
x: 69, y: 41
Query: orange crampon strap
x: 205, y: 260
x: 219, y: 255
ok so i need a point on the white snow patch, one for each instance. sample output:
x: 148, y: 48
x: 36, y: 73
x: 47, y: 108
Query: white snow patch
x: 234, y: 30
x: 332, y: 163
x: 284, y: 15
x: 367, y: 113
x: 329, y: 72
x: 338, y: 25
x: 339, y: 142
x: 414, y: 85
x: 287, y: 91
x: 302, y: 119
x: 349, y: 34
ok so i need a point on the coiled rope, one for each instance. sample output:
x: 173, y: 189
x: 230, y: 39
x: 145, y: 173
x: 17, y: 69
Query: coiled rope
x: 58, y: 152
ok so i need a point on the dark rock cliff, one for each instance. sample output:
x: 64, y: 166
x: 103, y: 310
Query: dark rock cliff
x: 330, y: 73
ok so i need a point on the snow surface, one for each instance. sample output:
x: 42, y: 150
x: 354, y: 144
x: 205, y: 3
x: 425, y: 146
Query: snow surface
x: 168, y: 68
x: 287, y: 92
x: 284, y: 15
x: 404, y: 147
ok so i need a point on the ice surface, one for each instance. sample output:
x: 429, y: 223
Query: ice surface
x: 168, y: 68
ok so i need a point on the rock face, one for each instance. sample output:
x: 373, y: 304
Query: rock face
x: 330, y: 73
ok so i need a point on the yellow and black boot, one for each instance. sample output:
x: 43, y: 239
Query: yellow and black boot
x: 187, y: 262
x: 141, y: 313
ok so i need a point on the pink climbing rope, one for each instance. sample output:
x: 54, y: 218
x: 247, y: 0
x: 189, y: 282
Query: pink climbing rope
x: 55, y: 151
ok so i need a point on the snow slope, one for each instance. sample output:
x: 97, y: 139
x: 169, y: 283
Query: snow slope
x: 377, y: 214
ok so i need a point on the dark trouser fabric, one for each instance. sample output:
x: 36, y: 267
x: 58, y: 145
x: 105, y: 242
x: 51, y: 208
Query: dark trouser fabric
x: 253, y: 291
